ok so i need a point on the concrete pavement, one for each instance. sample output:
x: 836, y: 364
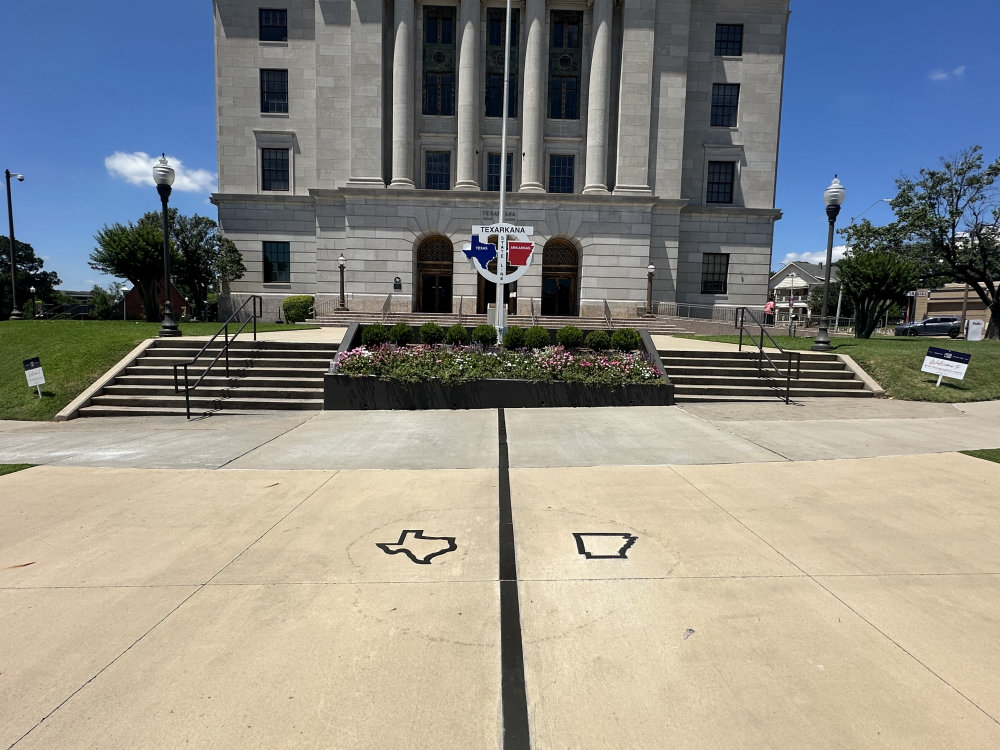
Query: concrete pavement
x: 824, y: 574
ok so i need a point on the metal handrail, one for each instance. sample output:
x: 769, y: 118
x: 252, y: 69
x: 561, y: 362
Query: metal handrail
x: 461, y: 301
x: 607, y: 313
x: 385, y: 306
x: 532, y: 301
x: 256, y: 311
x: 762, y: 355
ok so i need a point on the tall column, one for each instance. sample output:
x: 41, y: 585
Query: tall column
x: 635, y: 102
x: 599, y: 101
x: 402, y: 96
x: 533, y: 108
x: 468, y: 96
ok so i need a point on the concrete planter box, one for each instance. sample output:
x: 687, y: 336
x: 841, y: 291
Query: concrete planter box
x: 344, y: 392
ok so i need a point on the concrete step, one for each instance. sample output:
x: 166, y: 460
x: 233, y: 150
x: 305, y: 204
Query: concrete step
x: 199, y: 403
x: 241, y: 390
x: 749, y: 372
x: 237, y: 362
x: 777, y: 382
x: 712, y: 392
x: 255, y: 380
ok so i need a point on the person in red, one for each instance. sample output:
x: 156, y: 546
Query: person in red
x: 769, y: 310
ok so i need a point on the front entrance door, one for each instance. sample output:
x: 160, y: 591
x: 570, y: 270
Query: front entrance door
x: 434, y: 276
x: 558, y: 295
x: 488, y: 295
x: 560, y: 274
x: 435, y: 292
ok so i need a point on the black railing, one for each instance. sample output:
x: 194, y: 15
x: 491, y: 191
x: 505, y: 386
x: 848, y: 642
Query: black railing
x: 741, y: 322
x: 256, y: 311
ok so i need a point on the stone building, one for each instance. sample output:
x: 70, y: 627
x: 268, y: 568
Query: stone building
x: 639, y: 131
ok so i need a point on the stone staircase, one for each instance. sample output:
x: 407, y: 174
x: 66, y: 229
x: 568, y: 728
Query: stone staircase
x: 734, y: 376
x: 655, y: 325
x: 262, y: 376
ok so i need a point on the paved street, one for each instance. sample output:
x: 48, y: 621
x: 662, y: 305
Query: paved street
x: 822, y: 574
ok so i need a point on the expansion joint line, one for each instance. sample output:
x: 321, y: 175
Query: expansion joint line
x: 513, y: 696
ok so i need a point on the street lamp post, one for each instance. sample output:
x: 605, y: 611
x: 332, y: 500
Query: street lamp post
x: 124, y: 290
x: 833, y: 196
x: 163, y: 176
x: 15, y: 314
x: 342, y: 262
x: 34, y: 312
x: 650, y: 270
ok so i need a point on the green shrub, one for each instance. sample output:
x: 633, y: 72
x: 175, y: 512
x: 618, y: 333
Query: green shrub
x: 297, y: 307
x: 626, y: 339
x: 457, y: 335
x: 401, y: 334
x: 485, y: 335
x: 513, y: 338
x: 570, y: 337
x: 598, y: 340
x: 374, y: 336
x: 431, y: 333
x: 536, y: 337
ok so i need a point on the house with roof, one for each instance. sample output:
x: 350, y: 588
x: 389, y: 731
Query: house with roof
x: 792, y: 285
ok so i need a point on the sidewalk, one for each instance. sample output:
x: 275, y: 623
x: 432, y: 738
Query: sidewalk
x: 815, y: 575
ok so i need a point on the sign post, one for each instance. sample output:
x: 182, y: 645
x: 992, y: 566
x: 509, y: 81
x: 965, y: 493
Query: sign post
x: 945, y: 363
x: 33, y: 372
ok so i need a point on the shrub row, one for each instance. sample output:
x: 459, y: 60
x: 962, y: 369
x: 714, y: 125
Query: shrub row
x: 535, y: 337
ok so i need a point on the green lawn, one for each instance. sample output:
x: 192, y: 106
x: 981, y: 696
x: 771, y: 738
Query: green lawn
x: 11, y: 468
x: 73, y: 353
x: 991, y: 454
x: 895, y: 363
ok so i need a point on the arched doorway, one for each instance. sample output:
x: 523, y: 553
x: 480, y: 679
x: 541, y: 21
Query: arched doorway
x: 434, y: 270
x: 560, y: 278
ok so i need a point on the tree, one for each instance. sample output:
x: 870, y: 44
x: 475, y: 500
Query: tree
x: 103, y: 302
x: 815, y: 301
x: 875, y: 273
x: 207, y: 260
x: 202, y: 260
x: 29, y: 274
x: 950, y: 220
x: 134, y: 252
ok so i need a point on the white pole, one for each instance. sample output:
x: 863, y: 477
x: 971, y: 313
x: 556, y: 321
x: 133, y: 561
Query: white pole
x: 502, y: 238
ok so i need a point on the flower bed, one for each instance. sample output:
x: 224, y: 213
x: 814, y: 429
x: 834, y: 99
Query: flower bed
x: 443, y: 376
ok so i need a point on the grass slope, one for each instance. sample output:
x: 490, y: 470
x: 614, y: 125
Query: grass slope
x: 73, y: 353
x: 895, y: 364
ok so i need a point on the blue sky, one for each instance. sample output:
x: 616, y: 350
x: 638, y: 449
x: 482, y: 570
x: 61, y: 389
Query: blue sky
x: 873, y: 90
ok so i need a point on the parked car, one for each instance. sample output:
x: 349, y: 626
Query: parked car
x: 940, y: 326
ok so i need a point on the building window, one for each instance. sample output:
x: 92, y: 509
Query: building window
x: 729, y: 39
x: 725, y: 104
x: 274, y: 169
x: 493, y: 173
x: 437, y: 175
x: 273, y: 25
x: 714, y: 272
x: 560, y: 174
x: 564, y: 65
x: 720, y: 182
x: 273, y: 90
x: 496, y: 24
x: 276, y: 262
x: 439, y: 60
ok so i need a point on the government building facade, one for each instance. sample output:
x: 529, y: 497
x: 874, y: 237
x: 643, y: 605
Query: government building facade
x: 639, y: 132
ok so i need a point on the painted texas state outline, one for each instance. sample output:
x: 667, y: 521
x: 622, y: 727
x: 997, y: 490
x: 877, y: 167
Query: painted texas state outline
x: 419, y: 548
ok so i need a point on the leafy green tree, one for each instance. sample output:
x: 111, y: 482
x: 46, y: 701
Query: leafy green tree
x: 205, y: 259
x: 103, y: 302
x: 815, y: 302
x: 134, y: 252
x: 950, y: 219
x: 29, y: 274
x: 875, y: 273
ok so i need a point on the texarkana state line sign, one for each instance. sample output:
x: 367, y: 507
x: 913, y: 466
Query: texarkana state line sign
x: 512, y: 241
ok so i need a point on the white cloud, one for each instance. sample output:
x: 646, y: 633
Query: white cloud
x: 946, y: 75
x: 137, y: 169
x: 818, y: 257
